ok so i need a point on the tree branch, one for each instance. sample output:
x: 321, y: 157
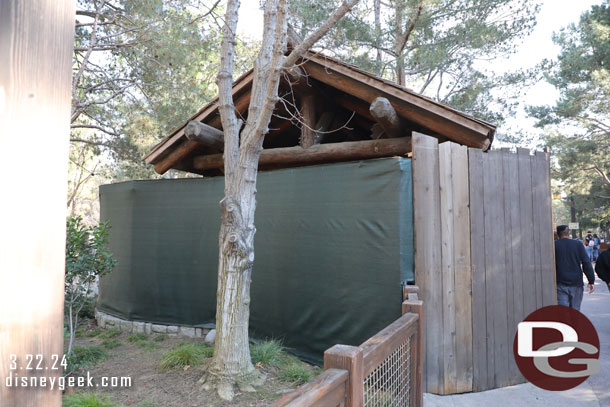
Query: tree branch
x: 601, y: 173
x: 308, y: 42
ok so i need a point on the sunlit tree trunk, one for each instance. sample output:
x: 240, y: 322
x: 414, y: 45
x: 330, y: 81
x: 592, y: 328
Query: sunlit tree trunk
x: 231, y: 364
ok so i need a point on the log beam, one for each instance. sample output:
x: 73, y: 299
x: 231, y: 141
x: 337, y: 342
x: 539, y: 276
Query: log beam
x: 383, y: 112
x: 205, y: 135
x: 318, y: 153
x: 188, y: 146
x: 308, y: 112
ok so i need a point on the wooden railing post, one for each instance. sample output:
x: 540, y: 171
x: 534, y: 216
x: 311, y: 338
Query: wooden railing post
x: 409, y: 289
x: 416, y: 306
x: 348, y: 358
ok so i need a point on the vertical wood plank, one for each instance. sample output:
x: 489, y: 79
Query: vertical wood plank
x: 462, y: 266
x: 36, y: 43
x: 545, y: 229
x: 552, y: 278
x: 527, y: 234
x: 537, y: 211
x: 417, y: 390
x: 426, y: 216
x: 512, y: 204
x: 447, y: 268
x: 477, y: 250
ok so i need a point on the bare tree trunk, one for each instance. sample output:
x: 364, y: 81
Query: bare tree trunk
x: 231, y: 364
x: 377, y: 11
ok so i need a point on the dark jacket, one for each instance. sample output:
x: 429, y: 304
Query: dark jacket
x: 570, y: 255
x: 602, y: 266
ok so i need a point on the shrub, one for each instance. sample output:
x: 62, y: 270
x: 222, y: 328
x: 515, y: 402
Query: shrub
x: 83, y: 357
x: 109, y: 333
x: 296, y: 373
x: 111, y: 343
x: 185, y: 354
x: 88, y: 309
x: 137, y: 337
x: 87, y: 400
x: 268, y: 353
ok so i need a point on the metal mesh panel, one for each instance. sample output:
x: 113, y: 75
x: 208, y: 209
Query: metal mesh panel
x: 389, y: 384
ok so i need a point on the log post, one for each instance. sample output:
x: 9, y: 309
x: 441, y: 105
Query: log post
x: 348, y: 358
x: 205, y: 135
x: 308, y: 112
x: 36, y: 49
x: 416, y: 306
x: 383, y: 111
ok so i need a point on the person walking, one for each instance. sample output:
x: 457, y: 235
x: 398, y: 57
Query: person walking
x: 595, y: 247
x: 589, y: 243
x: 571, y: 260
x: 602, y: 267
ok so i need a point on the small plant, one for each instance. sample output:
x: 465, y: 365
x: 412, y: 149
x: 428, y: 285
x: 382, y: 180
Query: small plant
x: 87, y: 258
x: 137, y: 337
x: 160, y: 337
x: 87, y: 400
x: 88, y: 309
x: 83, y: 357
x: 296, y: 373
x: 109, y: 333
x: 111, y: 343
x: 268, y: 353
x: 185, y: 354
x: 148, y: 403
x: 93, y: 333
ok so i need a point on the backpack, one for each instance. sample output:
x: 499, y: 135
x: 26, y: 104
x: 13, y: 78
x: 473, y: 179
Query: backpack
x: 591, y: 243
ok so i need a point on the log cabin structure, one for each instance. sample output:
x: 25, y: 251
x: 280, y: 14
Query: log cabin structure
x: 471, y: 228
x: 329, y: 112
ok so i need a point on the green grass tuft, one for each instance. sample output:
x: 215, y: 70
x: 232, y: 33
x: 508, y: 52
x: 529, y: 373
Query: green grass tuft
x: 160, y: 337
x: 146, y: 345
x: 87, y: 400
x: 185, y: 354
x: 109, y: 333
x: 111, y: 343
x: 268, y: 353
x: 83, y: 357
x: 137, y: 337
x: 93, y: 333
x: 296, y: 373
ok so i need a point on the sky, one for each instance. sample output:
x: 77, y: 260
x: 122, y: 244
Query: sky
x: 553, y: 15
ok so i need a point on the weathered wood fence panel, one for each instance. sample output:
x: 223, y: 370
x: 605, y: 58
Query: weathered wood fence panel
x: 510, y: 193
x: 483, y: 256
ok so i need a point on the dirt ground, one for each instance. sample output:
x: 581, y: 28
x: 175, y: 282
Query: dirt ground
x: 151, y: 387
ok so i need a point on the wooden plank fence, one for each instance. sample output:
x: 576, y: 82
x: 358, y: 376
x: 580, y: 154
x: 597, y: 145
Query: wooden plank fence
x: 483, y: 256
x: 384, y: 370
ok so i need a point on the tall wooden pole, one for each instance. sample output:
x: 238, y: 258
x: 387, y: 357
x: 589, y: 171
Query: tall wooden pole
x: 36, y: 42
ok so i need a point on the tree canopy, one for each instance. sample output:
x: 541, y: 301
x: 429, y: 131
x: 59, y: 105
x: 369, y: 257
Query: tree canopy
x: 578, y: 125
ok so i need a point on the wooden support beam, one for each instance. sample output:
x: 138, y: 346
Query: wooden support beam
x: 383, y: 112
x: 205, y: 135
x: 308, y: 112
x: 318, y: 153
x: 348, y: 358
x: 188, y: 146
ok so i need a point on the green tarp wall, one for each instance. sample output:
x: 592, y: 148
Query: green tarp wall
x: 333, y: 244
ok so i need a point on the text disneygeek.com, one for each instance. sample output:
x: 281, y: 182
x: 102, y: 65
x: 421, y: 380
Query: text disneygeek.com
x: 14, y: 380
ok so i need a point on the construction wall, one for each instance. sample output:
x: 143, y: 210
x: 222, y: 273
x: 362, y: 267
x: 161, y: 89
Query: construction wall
x: 333, y: 245
x: 484, y: 253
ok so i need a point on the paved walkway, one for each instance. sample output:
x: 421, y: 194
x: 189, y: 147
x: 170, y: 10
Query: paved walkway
x: 594, y: 392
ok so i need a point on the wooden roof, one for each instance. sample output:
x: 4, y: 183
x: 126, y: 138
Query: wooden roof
x: 351, y: 88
